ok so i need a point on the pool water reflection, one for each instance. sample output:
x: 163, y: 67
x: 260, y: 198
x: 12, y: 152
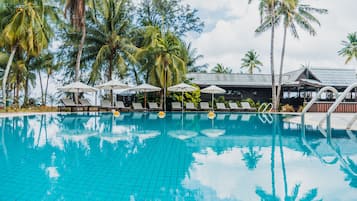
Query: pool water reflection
x: 138, y: 156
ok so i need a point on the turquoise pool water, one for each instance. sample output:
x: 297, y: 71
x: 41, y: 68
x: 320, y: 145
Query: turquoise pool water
x: 138, y: 156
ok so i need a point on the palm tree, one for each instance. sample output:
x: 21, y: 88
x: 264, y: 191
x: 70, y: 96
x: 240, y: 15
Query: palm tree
x: 267, y: 10
x: 192, y: 58
x: 294, y: 14
x: 349, y: 49
x: 219, y: 68
x: 44, y: 64
x: 27, y: 30
x: 77, y: 15
x: 161, y: 59
x: 108, y: 39
x: 251, y: 61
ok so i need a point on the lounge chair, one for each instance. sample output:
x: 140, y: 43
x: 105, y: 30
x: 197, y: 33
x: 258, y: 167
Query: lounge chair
x: 204, y: 106
x: 120, y: 105
x: 68, y: 103
x: 246, y: 107
x: 107, y: 105
x: 85, y: 103
x: 176, y: 106
x: 190, y: 106
x: 221, y: 107
x: 138, y: 107
x: 153, y: 106
x: 234, y: 107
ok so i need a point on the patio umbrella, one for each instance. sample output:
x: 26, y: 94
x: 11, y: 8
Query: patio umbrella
x: 213, y: 132
x: 146, y: 88
x: 182, y: 87
x: 77, y: 87
x: 112, y: 85
x: 213, y: 89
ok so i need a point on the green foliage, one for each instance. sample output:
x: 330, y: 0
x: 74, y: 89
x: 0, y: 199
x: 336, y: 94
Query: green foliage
x: 162, y: 52
x: 250, y: 101
x: 193, y: 97
x: 219, y: 68
x: 170, y: 15
x: 349, y: 49
x: 220, y: 99
x: 251, y: 61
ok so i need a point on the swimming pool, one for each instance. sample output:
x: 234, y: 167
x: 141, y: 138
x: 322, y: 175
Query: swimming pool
x: 138, y: 156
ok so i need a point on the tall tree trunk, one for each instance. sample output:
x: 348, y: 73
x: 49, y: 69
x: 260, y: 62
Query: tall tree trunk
x: 281, y: 67
x: 165, y: 86
x: 6, y: 74
x: 17, y: 92
x: 110, y: 75
x: 79, y: 55
x: 273, y: 87
x: 46, y: 89
x: 26, y: 91
x: 41, y: 87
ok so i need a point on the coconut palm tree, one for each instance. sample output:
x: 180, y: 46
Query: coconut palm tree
x: 192, y: 58
x: 349, y: 49
x: 27, y: 30
x: 267, y: 9
x: 108, y: 40
x: 251, y: 61
x: 294, y: 14
x: 161, y: 59
x: 219, y: 68
x: 77, y: 14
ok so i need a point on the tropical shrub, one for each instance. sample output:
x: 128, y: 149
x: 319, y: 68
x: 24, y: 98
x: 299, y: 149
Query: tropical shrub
x: 250, y: 101
x: 193, y: 97
x: 287, y: 108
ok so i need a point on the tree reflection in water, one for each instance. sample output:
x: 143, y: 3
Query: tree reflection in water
x: 251, y: 157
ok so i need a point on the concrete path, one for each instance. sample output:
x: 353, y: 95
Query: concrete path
x: 338, y: 120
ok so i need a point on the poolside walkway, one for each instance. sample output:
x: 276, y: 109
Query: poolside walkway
x: 338, y: 120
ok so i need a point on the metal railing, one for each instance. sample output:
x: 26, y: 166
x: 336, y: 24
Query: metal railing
x: 313, y: 100
x: 333, y: 107
x: 266, y: 107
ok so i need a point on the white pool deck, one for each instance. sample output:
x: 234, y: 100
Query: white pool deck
x: 338, y: 120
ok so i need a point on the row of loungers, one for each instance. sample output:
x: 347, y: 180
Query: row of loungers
x: 219, y: 106
x: 85, y: 105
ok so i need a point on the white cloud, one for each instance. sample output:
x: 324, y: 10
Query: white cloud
x: 230, y: 33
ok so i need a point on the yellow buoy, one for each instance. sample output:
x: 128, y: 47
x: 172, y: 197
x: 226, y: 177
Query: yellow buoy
x: 211, y: 115
x: 161, y: 114
x: 116, y: 113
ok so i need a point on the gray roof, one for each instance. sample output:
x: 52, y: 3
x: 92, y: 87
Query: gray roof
x: 233, y: 79
x: 335, y: 76
x: 323, y: 76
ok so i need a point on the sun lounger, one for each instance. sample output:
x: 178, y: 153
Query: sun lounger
x: 176, y: 106
x: 221, y: 107
x: 204, y: 106
x: 68, y: 103
x: 153, y: 106
x: 190, y: 106
x: 138, y: 107
x: 107, y: 105
x: 85, y: 103
x: 120, y: 105
x: 246, y: 107
x: 234, y: 107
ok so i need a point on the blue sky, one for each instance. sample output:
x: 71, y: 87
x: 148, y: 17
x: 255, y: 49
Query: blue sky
x: 229, y: 33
